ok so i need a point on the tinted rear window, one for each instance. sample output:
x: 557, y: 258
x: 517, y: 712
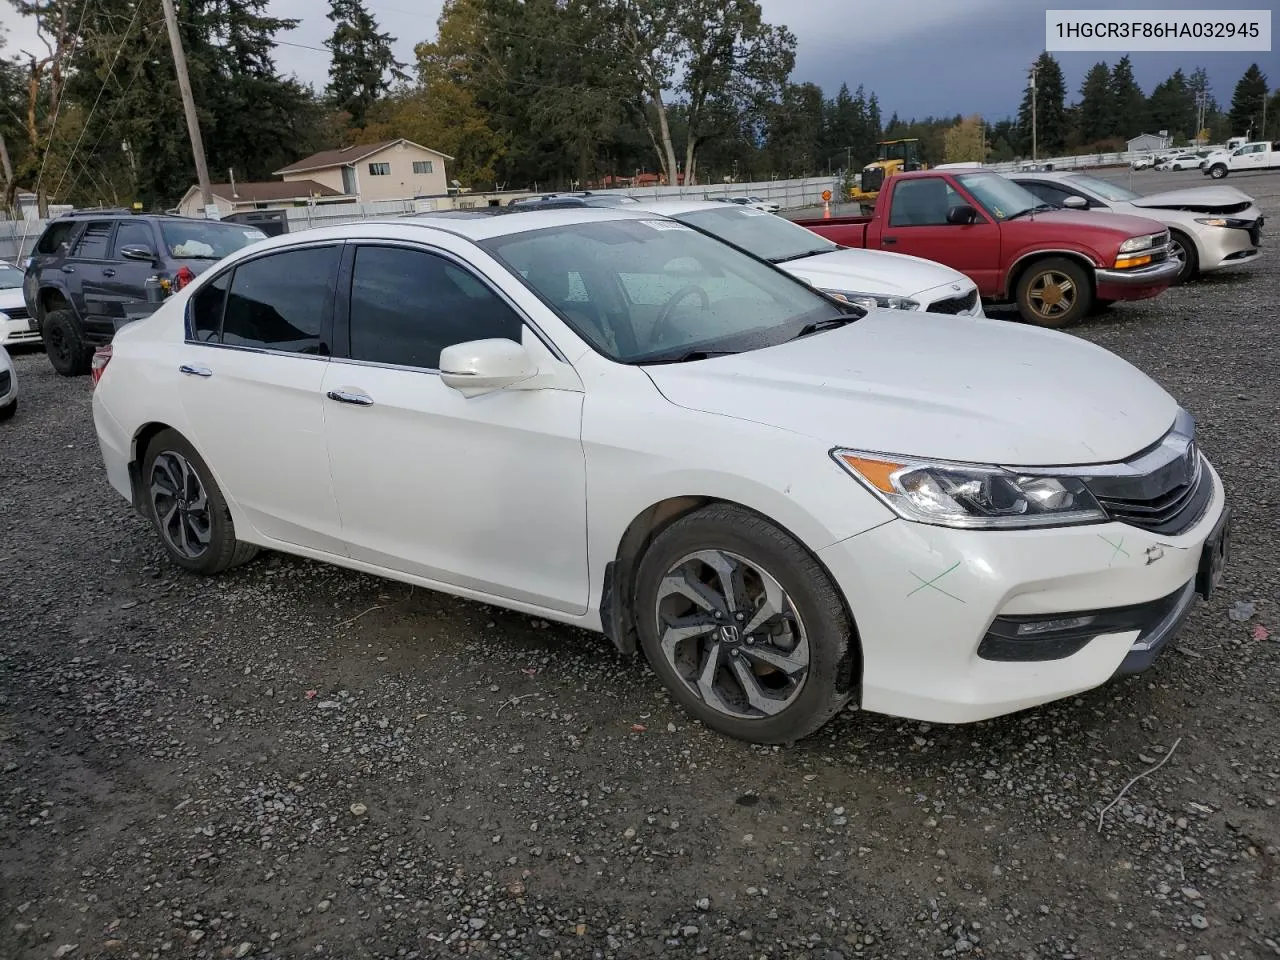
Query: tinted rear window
x: 55, y: 237
x: 206, y: 239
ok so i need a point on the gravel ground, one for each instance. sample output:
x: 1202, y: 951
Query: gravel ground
x: 295, y: 760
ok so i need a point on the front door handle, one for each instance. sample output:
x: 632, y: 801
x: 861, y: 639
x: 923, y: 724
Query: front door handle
x: 888, y: 240
x: 194, y: 371
x: 359, y: 399
x: 108, y: 272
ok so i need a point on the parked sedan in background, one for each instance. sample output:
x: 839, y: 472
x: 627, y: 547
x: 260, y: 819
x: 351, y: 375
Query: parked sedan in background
x: 15, y: 327
x: 765, y: 206
x: 1183, y: 161
x: 8, y: 385
x: 608, y: 419
x: 1209, y: 227
x: 870, y: 278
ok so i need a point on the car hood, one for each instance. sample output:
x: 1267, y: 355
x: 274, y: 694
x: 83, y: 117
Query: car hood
x: 950, y: 388
x: 1120, y: 224
x: 11, y: 299
x: 871, y: 271
x: 1198, y: 199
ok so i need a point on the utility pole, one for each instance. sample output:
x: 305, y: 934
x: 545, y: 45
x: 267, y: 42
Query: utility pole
x: 188, y: 102
x: 1033, y: 109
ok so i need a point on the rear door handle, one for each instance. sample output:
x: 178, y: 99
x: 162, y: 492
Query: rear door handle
x: 194, y: 371
x: 359, y: 399
x: 889, y: 240
x: 108, y: 272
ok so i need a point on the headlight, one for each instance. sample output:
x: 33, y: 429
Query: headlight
x: 1136, y: 243
x: 1223, y: 222
x: 873, y: 300
x: 971, y: 496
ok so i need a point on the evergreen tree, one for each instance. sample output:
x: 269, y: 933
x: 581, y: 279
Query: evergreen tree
x: 1096, y: 115
x: 1246, y: 103
x: 1172, y: 106
x: 1128, y: 101
x: 1050, y: 109
x: 363, y: 65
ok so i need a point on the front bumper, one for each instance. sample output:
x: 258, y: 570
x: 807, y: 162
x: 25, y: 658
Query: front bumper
x: 1136, y: 284
x: 1219, y: 247
x: 925, y: 599
x: 17, y: 332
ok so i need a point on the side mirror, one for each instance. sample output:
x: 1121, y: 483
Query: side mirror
x: 962, y: 213
x: 484, y: 366
x: 1076, y: 203
x: 137, y: 252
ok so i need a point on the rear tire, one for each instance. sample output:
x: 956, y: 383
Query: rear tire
x: 65, y: 345
x: 1054, y: 293
x: 189, y: 512
x: 766, y: 652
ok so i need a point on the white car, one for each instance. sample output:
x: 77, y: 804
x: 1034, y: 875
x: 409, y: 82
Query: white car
x: 1209, y: 227
x: 1260, y: 155
x: 869, y: 278
x: 15, y: 328
x: 1142, y: 163
x: 8, y: 384
x: 1183, y: 161
x: 764, y: 206
x: 611, y: 420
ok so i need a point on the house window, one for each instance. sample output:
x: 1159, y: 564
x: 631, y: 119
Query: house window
x: 379, y: 169
x: 349, y: 180
x: 424, y: 166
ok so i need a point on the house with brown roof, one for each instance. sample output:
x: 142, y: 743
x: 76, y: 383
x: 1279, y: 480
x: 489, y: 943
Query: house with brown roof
x: 367, y: 172
x: 260, y: 195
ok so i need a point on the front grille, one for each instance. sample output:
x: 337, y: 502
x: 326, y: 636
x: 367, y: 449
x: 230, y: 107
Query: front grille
x: 1166, y: 501
x: 955, y: 305
x: 6, y: 382
x: 16, y: 313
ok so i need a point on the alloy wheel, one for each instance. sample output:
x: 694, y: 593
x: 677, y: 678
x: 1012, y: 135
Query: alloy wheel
x: 181, y: 505
x: 732, y: 634
x: 1178, y: 253
x: 1052, y: 294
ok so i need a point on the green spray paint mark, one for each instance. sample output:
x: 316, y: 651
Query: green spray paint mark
x: 933, y: 584
x: 1116, y: 549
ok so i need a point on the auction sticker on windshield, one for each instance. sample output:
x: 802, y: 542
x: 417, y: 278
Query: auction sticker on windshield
x: 664, y: 225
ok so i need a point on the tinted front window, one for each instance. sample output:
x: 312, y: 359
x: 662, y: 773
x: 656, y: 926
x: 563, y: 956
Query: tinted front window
x: 1049, y: 193
x: 650, y: 290
x: 407, y: 306
x: 206, y: 239
x: 95, y: 240
x: 922, y: 203
x: 757, y: 232
x: 279, y: 302
x: 133, y: 233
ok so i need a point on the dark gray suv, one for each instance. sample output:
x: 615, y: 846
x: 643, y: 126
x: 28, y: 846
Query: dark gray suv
x: 92, y: 272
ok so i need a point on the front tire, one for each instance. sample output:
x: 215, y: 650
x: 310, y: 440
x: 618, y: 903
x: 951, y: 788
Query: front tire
x: 65, y: 345
x: 1218, y: 171
x: 744, y: 626
x: 1183, y: 250
x: 188, y: 509
x: 1054, y: 293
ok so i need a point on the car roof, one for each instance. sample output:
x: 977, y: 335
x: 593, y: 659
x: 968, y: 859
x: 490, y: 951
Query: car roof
x: 474, y: 228
x: 669, y: 208
x: 1046, y: 174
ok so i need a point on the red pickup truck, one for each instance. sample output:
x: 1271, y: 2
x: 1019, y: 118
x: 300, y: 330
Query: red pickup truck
x: 1056, y: 264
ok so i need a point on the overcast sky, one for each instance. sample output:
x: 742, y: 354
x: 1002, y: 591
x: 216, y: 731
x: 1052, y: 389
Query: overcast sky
x: 921, y: 57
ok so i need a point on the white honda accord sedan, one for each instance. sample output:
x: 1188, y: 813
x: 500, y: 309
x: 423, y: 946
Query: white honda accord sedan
x: 608, y: 419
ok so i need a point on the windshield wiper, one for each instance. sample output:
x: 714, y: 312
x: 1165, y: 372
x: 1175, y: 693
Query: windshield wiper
x: 799, y: 256
x: 677, y: 356
x: 828, y: 324
x: 1036, y: 209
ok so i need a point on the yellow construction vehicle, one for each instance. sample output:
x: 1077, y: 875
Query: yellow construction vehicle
x: 894, y: 156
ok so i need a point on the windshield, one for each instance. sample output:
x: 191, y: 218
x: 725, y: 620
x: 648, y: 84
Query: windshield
x: 205, y: 239
x: 1104, y: 188
x: 10, y: 277
x: 1000, y: 197
x: 759, y: 233
x: 655, y: 290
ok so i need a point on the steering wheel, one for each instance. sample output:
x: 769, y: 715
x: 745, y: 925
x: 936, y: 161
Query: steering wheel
x: 664, y: 315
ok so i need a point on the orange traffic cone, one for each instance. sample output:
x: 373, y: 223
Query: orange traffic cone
x: 826, y: 209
